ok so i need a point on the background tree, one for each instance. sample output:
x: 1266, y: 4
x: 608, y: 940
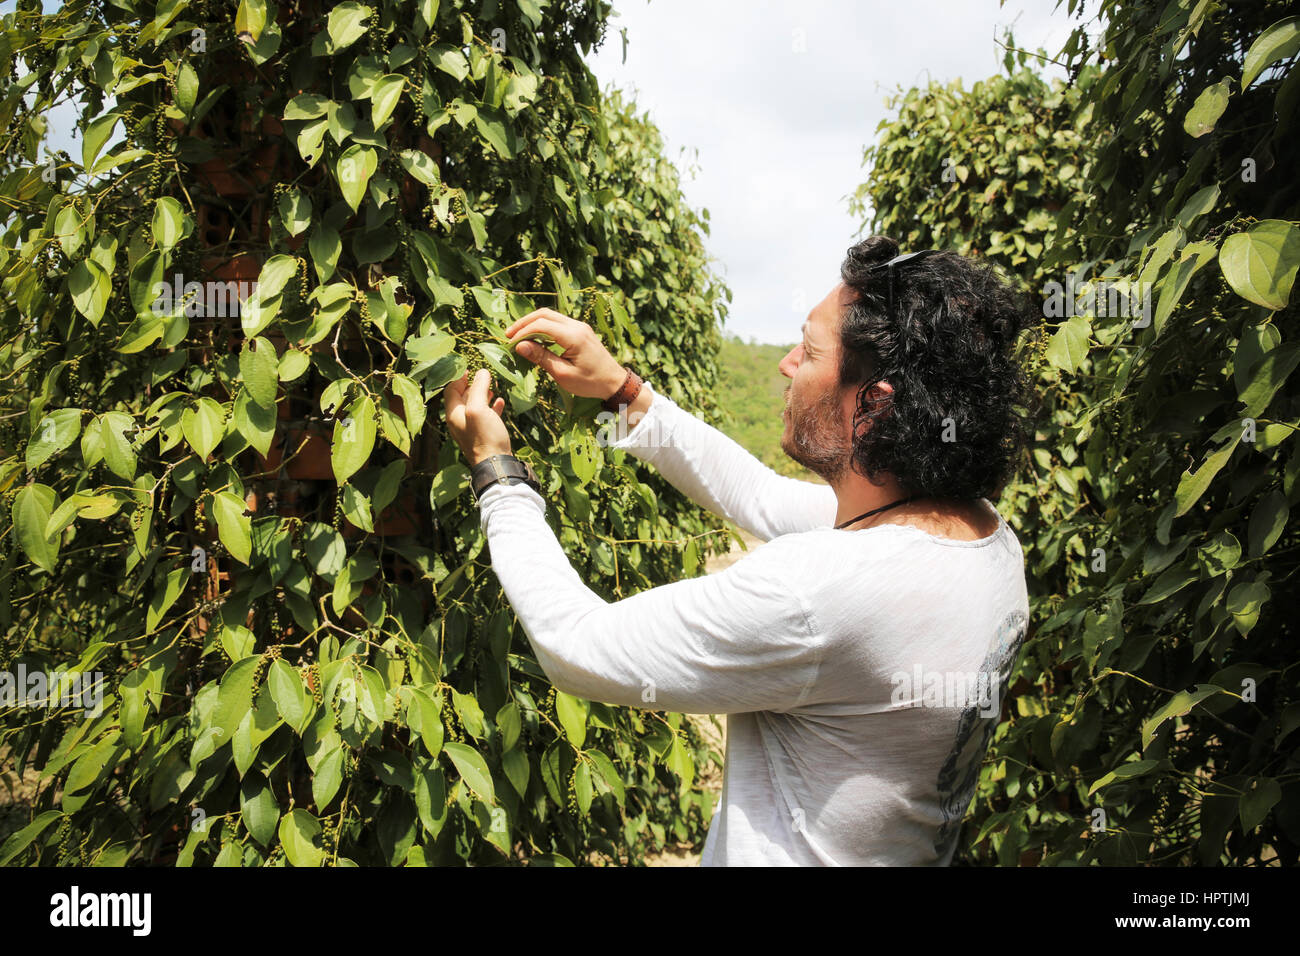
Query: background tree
x: 1156, y: 693
x: 251, y: 520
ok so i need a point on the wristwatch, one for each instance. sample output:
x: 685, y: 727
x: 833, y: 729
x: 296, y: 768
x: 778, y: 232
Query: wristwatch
x: 503, y: 468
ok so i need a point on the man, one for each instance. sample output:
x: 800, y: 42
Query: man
x: 861, y: 653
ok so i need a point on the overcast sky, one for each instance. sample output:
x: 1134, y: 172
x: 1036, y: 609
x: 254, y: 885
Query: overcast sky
x: 774, y: 101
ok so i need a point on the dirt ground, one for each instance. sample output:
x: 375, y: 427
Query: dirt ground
x: 711, y: 776
x: 16, y: 794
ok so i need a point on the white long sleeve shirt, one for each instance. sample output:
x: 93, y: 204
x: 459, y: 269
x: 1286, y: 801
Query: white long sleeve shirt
x: 848, y: 662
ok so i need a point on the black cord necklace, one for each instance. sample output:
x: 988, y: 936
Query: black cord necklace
x: 874, y: 511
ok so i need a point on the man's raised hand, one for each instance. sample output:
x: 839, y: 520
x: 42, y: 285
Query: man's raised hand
x: 586, y: 368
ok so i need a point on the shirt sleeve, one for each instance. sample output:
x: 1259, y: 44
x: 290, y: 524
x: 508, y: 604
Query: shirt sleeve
x: 735, y: 641
x: 717, y: 473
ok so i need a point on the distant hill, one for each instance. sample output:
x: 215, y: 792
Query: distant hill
x: 752, y: 392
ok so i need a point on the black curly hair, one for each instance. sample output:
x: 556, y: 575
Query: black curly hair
x: 962, y: 405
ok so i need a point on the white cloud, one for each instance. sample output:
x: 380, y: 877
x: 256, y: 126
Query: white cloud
x: 779, y: 131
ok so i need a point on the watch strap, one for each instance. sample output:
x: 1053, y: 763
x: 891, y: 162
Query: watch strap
x: 626, y: 393
x: 505, y: 468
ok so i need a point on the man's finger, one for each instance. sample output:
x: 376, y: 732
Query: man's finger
x: 454, y: 394
x: 541, y: 356
x: 532, y: 317
x: 520, y: 323
x: 478, y: 389
x: 561, y: 333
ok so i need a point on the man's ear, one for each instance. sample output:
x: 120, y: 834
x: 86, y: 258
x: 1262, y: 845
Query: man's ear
x: 880, y: 397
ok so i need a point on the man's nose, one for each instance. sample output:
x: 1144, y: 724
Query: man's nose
x: 790, y: 364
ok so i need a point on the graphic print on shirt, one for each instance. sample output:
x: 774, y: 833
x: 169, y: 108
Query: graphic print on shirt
x: 961, y: 770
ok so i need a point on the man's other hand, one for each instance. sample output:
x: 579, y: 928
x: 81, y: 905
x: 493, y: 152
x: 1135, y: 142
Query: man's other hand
x: 474, y: 417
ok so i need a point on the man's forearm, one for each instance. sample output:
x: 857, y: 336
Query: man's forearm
x: 629, y: 416
x: 640, y: 405
x: 733, y: 642
x: 716, y: 473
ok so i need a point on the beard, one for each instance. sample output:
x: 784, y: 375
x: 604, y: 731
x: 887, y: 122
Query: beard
x: 815, y: 439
